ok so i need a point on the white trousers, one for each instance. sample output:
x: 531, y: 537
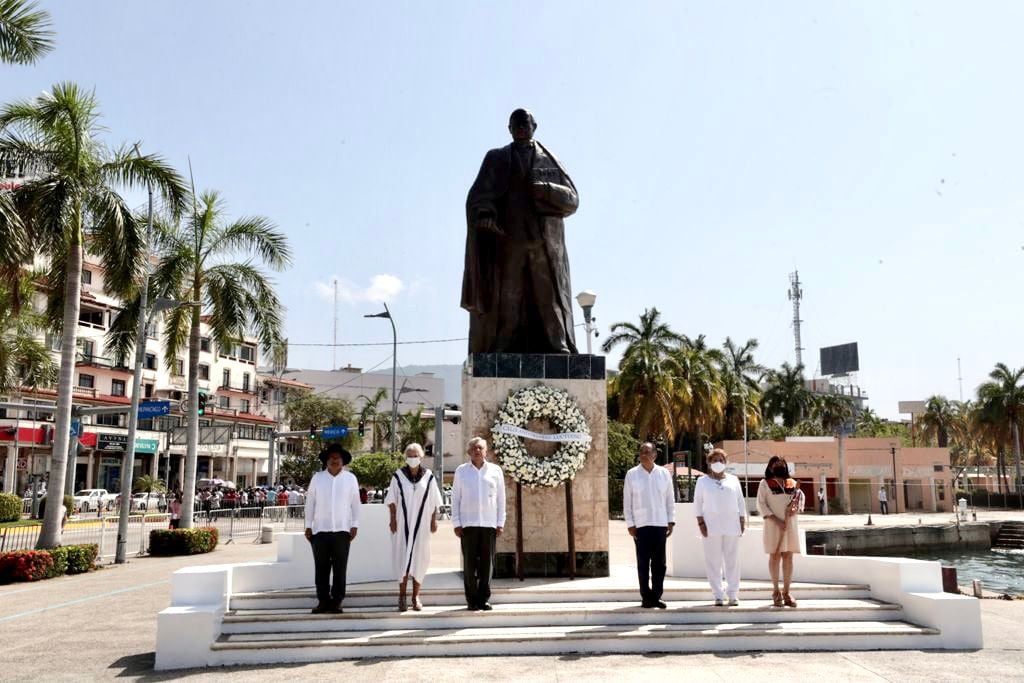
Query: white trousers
x: 721, y: 558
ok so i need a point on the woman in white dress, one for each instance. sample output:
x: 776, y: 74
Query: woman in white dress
x: 413, y: 499
x: 721, y: 513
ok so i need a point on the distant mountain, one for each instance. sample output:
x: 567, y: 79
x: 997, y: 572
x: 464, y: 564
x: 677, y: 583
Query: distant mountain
x: 451, y: 374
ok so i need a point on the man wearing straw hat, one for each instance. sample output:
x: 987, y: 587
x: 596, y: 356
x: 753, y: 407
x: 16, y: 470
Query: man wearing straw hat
x: 332, y: 521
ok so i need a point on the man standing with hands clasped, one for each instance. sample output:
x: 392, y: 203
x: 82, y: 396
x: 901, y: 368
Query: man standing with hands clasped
x: 478, y: 516
x: 332, y: 521
x: 650, y: 511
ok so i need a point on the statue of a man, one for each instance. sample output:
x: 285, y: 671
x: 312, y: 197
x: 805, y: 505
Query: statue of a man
x: 516, y: 281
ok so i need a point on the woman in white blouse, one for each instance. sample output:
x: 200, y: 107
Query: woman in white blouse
x: 722, y: 518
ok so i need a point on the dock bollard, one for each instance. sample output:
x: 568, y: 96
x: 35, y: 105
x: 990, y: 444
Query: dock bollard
x: 976, y: 587
x: 949, y: 584
x: 267, y: 534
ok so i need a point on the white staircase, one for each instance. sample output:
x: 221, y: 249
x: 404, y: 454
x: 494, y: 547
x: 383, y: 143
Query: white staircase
x: 584, y: 616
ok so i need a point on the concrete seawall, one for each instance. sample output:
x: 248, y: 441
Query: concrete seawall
x: 900, y: 539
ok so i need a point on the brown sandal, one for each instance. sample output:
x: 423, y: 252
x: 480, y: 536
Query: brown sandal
x: 402, y: 607
x: 777, y: 598
x: 788, y: 600
x: 417, y: 606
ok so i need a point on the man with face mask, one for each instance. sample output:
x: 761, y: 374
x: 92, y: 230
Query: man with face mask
x: 722, y: 518
x: 413, y: 499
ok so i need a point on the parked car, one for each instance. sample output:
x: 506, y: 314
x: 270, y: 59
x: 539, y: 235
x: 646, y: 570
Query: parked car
x: 88, y: 500
x: 146, y: 501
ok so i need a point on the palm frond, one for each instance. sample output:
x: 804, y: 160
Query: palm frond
x: 253, y: 235
x: 128, y: 169
x: 25, y: 34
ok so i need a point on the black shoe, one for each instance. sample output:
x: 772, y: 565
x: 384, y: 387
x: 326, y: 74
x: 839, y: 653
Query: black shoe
x: 471, y: 607
x: 659, y: 604
x: 321, y: 608
x: 647, y: 605
x: 486, y: 607
x: 335, y: 608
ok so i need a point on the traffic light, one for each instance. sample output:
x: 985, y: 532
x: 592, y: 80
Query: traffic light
x: 201, y: 407
x: 312, y: 431
x: 362, y: 427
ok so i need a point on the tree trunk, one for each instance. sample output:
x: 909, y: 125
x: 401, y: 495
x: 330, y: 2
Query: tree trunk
x: 844, y: 485
x: 192, y: 424
x: 49, y: 536
x: 1016, y: 456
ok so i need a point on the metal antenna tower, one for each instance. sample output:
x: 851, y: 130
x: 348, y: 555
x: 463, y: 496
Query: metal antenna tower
x: 334, y: 347
x: 795, y: 294
x: 960, y: 379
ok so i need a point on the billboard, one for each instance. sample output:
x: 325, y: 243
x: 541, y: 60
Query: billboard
x: 840, y: 360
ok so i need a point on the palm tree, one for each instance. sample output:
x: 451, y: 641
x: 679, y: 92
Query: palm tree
x: 24, y: 361
x: 699, y: 395
x: 74, y: 203
x: 147, y: 483
x: 412, y: 428
x: 25, y: 34
x: 936, y: 422
x: 1002, y: 397
x: 833, y: 411
x: 370, y: 413
x: 786, y: 395
x: 741, y: 377
x: 197, y: 266
x: 645, y: 383
x: 868, y: 423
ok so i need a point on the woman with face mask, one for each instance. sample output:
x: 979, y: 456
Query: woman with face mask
x: 413, y: 499
x: 721, y: 518
x: 780, y: 501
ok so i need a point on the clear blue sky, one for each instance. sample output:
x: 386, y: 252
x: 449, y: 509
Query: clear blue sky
x: 875, y: 146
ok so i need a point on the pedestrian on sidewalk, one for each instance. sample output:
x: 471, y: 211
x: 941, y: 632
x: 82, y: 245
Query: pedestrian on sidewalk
x: 821, y: 500
x: 649, y: 507
x: 414, y: 488
x: 883, y: 500
x: 175, y: 508
x: 478, y: 518
x: 779, y: 502
x: 332, y: 522
x: 721, y: 511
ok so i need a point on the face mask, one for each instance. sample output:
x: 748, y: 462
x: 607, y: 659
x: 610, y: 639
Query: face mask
x: 780, y: 472
x: 718, y: 467
x: 412, y: 462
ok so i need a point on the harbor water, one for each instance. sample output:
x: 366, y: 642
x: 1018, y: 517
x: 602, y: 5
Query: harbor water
x: 1000, y: 571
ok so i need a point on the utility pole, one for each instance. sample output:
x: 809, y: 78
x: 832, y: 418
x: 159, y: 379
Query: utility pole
x: 128, y: 466
x: 795, y: 294
x: 394, y: 373
x: 334, y: 346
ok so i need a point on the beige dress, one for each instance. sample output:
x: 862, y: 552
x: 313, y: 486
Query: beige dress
x: 769, y: 503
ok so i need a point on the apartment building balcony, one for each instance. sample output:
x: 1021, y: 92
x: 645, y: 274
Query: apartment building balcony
x: 243, y: 389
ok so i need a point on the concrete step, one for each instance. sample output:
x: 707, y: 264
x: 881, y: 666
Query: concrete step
x: 280, y: 647
x: 387, y: 598
x: 554, y: 614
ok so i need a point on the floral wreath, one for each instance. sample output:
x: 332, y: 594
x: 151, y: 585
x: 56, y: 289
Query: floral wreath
x: 560, y: 408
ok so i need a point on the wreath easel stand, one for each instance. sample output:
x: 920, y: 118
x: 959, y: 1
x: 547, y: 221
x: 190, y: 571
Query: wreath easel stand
x: 570, y: 530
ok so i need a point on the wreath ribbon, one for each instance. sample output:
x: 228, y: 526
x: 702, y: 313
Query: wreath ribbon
x: 564, y: 437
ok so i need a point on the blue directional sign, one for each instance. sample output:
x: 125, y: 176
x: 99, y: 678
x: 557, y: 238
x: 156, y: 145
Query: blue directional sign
x: 76, y: 428
x: 334, y: 432
x: 154, y: 409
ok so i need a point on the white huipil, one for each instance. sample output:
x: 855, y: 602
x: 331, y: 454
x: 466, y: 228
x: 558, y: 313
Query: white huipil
x: 415, y: 504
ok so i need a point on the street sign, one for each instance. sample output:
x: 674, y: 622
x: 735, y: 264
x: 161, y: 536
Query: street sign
x: 76, y: 428
x: 154, y: 409
x: 334, y: 432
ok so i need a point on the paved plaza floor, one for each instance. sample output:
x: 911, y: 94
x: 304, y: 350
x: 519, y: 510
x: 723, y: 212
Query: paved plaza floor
x: 103, y: 626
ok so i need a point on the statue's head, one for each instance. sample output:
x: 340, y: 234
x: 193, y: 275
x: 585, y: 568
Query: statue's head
x: 521, y: 125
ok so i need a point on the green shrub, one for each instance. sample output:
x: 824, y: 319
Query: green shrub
x: 167, y: 542
x: 82, y: 558
x: 60, y: 561
x: 10, y: 507
x: 25, y: 565
x: 615, y: 497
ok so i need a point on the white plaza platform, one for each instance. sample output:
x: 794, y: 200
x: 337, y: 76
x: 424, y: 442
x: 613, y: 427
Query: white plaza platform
x: 259, y: 612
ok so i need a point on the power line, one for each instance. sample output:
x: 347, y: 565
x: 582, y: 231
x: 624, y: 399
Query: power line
x: 418, y: 341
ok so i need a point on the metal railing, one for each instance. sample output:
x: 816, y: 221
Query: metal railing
x: 102, y: 531
x: 248, y: 522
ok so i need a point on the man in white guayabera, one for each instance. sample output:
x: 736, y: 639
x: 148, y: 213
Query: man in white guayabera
x: 332, y: 521
x: 650, y: 510
x: 722, y: 518
x: 478, y: 515
x: 413, y: 499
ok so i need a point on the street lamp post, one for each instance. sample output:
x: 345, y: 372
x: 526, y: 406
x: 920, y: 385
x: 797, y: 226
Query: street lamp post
x: 394, y: 370
x: 586, y: 300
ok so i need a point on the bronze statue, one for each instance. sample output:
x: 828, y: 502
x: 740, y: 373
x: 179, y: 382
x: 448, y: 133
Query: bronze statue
x: 516, y: 281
